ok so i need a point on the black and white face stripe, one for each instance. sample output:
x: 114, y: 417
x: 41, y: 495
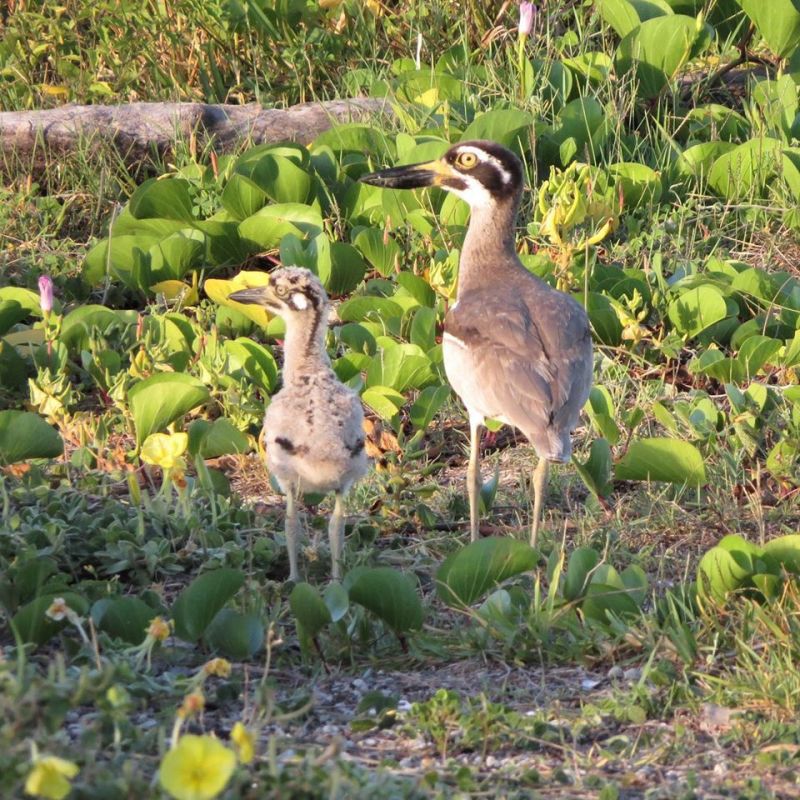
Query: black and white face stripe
x: 299, y: 301
x: 487, y: 173
x: 486, y: 162
x: 298, y: 289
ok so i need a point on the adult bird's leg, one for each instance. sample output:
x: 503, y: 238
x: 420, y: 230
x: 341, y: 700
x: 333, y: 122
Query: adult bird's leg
x: 474, y: 476
x: 539, y: 487
x: 336, y: 535
x: 291, y: 531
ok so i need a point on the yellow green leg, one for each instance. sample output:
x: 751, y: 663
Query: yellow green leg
x: 539, y: 488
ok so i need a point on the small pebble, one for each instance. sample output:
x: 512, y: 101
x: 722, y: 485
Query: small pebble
x: 329, y: 730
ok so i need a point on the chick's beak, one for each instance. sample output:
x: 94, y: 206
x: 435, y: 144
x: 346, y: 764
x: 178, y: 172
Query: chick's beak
x: 413, y: 176
x: 258, y: 296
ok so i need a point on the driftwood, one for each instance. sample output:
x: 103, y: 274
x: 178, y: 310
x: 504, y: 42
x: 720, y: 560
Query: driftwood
x: 139, y: 130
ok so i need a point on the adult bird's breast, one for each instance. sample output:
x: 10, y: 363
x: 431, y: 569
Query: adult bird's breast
x: 464, y: 375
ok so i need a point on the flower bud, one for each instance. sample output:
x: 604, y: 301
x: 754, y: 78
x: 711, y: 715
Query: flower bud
x: 527, y: 12
x: 46, y: 293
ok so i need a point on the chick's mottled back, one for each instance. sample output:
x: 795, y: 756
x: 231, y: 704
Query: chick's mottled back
x: 313, y: 425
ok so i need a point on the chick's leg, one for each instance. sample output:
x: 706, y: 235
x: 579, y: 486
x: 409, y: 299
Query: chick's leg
x: 336, y: 536
x: 292, y: 525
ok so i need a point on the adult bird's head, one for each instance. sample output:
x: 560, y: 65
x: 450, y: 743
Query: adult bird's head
x: 484, y: 174
x: 292, y: 292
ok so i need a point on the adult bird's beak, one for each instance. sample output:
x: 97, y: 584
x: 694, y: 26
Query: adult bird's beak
x: 258, y: 296
x: 413, y: 176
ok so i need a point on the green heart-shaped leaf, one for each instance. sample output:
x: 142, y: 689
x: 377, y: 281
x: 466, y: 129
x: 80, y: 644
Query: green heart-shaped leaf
x: 388, y: 594
x: 25, y: 435
x: 162, y: 399
x: 662, y: 459
x: 201, y: 601
x: 470, y: 573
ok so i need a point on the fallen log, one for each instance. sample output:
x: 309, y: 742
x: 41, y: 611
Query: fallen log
x: 141, y: 130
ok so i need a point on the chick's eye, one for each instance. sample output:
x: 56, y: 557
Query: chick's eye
x: 467, y: 160
x: 280, y: 290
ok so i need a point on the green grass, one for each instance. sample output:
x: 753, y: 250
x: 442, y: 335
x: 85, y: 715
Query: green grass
x: 685, y: 697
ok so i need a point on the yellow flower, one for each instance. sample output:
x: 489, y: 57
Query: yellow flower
x: 50, y: 777
x: 165, y: 449
x: 159, y: 628
x: 193, y: 703
x: 198, y: 768
x: 220, y: 667
x: 244, y: 742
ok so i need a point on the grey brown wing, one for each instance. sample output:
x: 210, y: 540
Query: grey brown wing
x: 532, y: 366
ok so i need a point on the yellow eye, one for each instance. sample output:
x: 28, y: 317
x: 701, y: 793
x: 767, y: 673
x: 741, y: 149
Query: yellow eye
x: 466, y: 160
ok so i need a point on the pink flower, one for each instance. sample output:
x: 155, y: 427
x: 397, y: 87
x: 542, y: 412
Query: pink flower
x: 527, y: 12
x: 46, y: 294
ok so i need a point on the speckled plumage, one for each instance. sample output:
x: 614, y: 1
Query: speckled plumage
x: 313, y: 425
x: 313, y: 432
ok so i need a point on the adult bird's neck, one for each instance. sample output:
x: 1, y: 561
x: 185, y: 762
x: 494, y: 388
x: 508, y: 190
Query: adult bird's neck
x: 304, y: 346
x: 489, y: 244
